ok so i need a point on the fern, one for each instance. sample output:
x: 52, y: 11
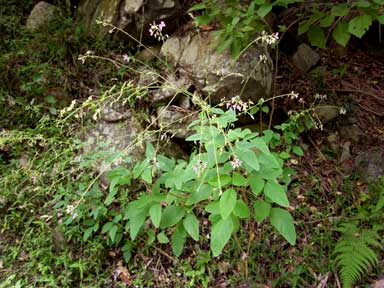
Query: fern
x: 354, y: 253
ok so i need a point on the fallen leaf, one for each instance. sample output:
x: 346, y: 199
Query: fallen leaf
x: 123, y: 274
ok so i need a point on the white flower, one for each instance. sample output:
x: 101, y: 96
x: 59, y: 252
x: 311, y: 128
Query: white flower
x: 126, y: 58
x: 294, y: 95
x: 236, y: 162
x: 342, y: 111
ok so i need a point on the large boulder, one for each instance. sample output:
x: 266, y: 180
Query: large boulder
x: 41, y: 14
x: 133, y: 16
x: 217, y: 74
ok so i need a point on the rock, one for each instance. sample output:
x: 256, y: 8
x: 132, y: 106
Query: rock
x: 41, y: 14
x: 378, y: 284
x: 327, y: 113
x: 345, y: 152
x: 175, y: 120
x: 114, y: 112
x: 148, y: 54
x: 217, y: 74
x: 305, y: 58
x: 133, y: 16
x: 370, y: 165
x: 171, y: 87
x: 147, y: 78
x: 114, y: 141
x: 353, y: 133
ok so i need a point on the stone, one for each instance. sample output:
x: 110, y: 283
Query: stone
x: 327, y: 113
x: 147, y: 78
x: 305, y: 57
x: 114, y: 112
x: 370, y: 165
x: 41, y: 14
x: 215, y: 74
x: 175, y: 120
x: 114, y: 141
x: 378, y: 284
x: 133, y: 16
x: 352, y: 133
x: 170, y: 88
x: 148, y: 53
x: 345, y: 152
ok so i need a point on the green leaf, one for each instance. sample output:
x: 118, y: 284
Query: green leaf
x: 248, y: 157
x: 261, y: 209
x: 203, y: 192
x: 298, y: 151
x: 112, y: 232
x: 213, y: 208
x: 227, y: 203
x: 110, y: 197
x: 261, y: 145
x: 199, y: 6
x: 264, y: 10
x: 284, y: 155
x: 147, y: 175
x: 235, y: 47
x: 241, y: 209
x: 107, y: 226
x: 220, y: 235
x: 149, y: 151
x: 257, y: 184
x: 178, y: 239
x: 203, y: 19
x: 87, y: 233
x: 162, y: 238
x: 238, y: 180
x: 136, y: 223
x: 171, y: 216
x: 380, y: 18
x: 340, y: 10
x: 283, y: 222
x: 341, y: 34
x: 359, y: 25
x: 191, y: 225
x: 221, y: 180
x: 316, y: 36
x: 155, y: 214
x: 165, y: 163
x: 276, y: 193
x: 327, y: 21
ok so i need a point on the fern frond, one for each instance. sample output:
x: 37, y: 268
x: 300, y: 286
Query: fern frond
x: 354, y: 253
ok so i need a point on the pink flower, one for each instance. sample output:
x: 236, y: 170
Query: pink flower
x: 161, y: 25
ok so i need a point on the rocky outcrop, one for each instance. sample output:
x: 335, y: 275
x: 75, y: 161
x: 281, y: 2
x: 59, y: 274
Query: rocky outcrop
x: 217, y: 75
x: 133, y: 16
x: 41, y: 14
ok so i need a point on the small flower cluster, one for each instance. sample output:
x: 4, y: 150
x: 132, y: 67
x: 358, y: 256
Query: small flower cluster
x: 236, y: 162
x: 83, y: 57
x: 200, y: 165
x: 156, y: 31
x: 269, y: 39
x: 237, y: 104
x: 342, y: 111
x: 71, y: 210
x: 320, y: 96
x: 263, y: 58
x: 293, y: 95
x: 126, y: 58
